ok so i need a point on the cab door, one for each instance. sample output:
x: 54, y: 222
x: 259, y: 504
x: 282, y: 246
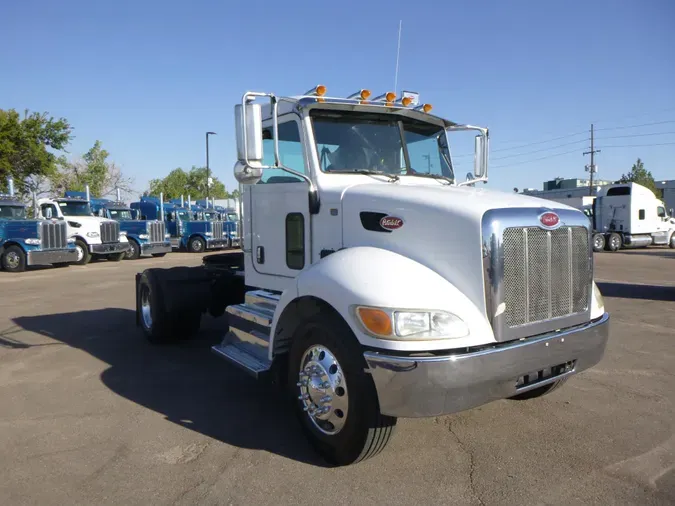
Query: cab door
x: 279, y: 203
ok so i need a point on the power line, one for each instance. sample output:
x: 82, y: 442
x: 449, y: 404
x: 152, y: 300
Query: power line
x: 540, y: 150
x: 642, y: 145
x: 637, y: 126
x: 637, y: 135
x: 536, y: 159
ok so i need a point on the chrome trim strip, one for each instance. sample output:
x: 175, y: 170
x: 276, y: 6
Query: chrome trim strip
x: 546, y: 381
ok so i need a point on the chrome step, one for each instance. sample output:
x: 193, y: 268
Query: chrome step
x: 262, y: 298
x: 252, y: 313
x: 245, y: 356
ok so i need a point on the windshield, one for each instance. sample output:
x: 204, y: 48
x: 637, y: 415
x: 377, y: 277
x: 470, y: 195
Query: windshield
x: 232, y: 217
x: 211, y: 215
x: 12, y: 212
x: 349, y: 141
x: 75, y: 208
x: 120, y: 214
x: 183, y: 215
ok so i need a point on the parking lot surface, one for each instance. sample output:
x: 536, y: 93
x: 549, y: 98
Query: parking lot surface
x: 90, y: 413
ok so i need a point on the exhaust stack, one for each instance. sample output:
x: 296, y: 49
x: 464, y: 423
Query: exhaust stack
x: 10, y: 186
x: 119, y: 195
x: 161, y: 206
x: 86, y: 189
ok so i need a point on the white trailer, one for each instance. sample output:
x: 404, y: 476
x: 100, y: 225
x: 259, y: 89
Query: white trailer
x: 372, y: 284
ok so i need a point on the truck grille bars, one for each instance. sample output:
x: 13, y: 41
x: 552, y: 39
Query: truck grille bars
x: 110, y: 231
x: 53, y: 235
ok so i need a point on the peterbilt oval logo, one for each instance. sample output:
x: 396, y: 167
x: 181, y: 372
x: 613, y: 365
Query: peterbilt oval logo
x: 549, y: 219
x: 391, y: 222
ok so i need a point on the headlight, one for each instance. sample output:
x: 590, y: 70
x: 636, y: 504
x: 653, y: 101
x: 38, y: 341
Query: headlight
x: 411, y: 325
x: 167, y: 236
x: 92, y: 234
x: 123, y: 233
x: 142, y: 236
x: 34, y: 242
x: 208, y: 234
x: 71, y: 240
x: 74, y: 224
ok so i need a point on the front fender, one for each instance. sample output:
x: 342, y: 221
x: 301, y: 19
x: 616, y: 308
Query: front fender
x: 378, y: 277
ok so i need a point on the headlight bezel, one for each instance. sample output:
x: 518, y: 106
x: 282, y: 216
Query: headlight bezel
x: 93, y: 234
x: 393, y: 327
x: 32, y: 241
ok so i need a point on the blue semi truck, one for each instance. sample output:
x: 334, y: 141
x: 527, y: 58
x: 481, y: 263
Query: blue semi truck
x: 146, y: 237
x: 210, y: 211
x: 186, y: 233
x: 25, y: 241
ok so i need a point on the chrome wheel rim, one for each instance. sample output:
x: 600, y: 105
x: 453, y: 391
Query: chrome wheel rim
x: 196, y: 246
x: 130, y: 252
x: 615, y: 242
x: 323, y: 390
x: 80, y: 252
x: 598, y: 242
x: 146, y: 314
x: 12, y: 260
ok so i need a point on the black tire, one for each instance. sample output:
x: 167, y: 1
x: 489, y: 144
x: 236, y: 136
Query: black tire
x: 60, y: 265
x: 366, y: 431
x: 161, y: 327
x: 672, y: 241
x: 116, y: 257
x: 598, y: 242
x: 614, y: 242
x: 134, y: 251
x: 539, y: 392
x: 158, y: 255
x: 82, y: 248
x: 13, y: 259
x: 196, y: 245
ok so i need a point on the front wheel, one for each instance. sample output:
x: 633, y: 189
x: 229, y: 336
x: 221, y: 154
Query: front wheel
x: 672, y: 241
x: 134, y: 251
x: 335, y: 399
x: 598, y: 242
x: 83, y: 255
x: 14, y: 259
x: 196, y: 245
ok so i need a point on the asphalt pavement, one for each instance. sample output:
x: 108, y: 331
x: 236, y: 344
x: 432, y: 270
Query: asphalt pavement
x: 90, y: 413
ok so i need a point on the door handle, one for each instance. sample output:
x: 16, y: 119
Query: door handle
x: 260, y: 254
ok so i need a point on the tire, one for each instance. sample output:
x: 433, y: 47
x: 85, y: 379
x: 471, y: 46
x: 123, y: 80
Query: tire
x: 614, y: 242
x: 60, y: 265
x: 361, y: 431
x: 159, y: 326
x: 158, y: 255
x: 196, y: 245
x: 539, y: 392
x: 116, y: 257
x: 83, y: 255
x: 672, y: 241
x: 598, y: 242
x: 134, y: 251
x: 13, y: 259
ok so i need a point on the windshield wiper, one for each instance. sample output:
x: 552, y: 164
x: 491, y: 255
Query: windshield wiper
x: 392, y: 177
x: 432, y: 176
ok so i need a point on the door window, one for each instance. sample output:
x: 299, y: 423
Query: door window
x: 295, y: 241
x: 290, y: 154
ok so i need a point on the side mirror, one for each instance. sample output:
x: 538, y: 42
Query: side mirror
x: 249, y: 133
x: 670, y: 212
x: 48, y: 213
x: 480, y: 156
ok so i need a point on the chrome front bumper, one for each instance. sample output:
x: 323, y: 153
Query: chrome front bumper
x: 109, y: 247
x: 216, y: 243
x: 156, y: 247
x: 411, y: 387
x: 51, y: 256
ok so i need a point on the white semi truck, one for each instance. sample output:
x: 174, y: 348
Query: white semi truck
x: 626, y: 215
x: 372, y: 285
x: 93, y: 235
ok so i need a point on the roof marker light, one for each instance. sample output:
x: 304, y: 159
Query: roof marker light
x: 317, y: 91
x: 360, y: 95
x: 424, y: 107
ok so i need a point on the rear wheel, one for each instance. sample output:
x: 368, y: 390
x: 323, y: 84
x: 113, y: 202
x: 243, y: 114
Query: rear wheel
x: 614, y: 242
x: 83, y: 255
x: 14, y: 259
x: 335, y: 399
x: 134, y: 251
x: 598, y: 242
x: 539, y: 392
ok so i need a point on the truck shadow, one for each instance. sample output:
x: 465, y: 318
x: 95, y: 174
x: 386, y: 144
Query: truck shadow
x: 184, y: 382
x: 631, y: 291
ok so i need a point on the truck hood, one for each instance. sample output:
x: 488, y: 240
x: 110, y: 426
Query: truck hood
x: 19, y: 229
x: 436, y: 225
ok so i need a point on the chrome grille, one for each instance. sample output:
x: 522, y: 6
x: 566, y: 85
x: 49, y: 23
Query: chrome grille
x: 155, y: 231
x: 53, y: 235
x: 217, y: 229
x: 110, y: 231
x: 547, y: 274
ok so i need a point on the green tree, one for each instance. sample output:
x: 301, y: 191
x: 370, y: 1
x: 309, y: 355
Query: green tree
x: 179, y: 182
x: 103, y: 177
x: 638, y: 174
x: 27, y: 147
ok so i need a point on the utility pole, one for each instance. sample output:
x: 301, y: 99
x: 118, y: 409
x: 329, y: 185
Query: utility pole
x: 592, y: 169
x: 207, y: 163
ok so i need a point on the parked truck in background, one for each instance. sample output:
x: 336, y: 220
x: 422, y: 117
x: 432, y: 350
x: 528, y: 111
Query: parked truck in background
x: 626, y: 216
x: 185, y: 233
x: 230, y: 224
x: 25, y: 242
x: 94, y: 236
x: 372, y: 284
x: 146, y: 237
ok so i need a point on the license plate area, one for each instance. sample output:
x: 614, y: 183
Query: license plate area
x: 546, y: 375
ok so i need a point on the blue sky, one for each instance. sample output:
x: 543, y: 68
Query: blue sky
x: 149, y: 78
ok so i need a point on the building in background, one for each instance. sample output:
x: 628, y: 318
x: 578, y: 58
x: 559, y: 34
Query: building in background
x: 668, y: 188
x: 567, y: 188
